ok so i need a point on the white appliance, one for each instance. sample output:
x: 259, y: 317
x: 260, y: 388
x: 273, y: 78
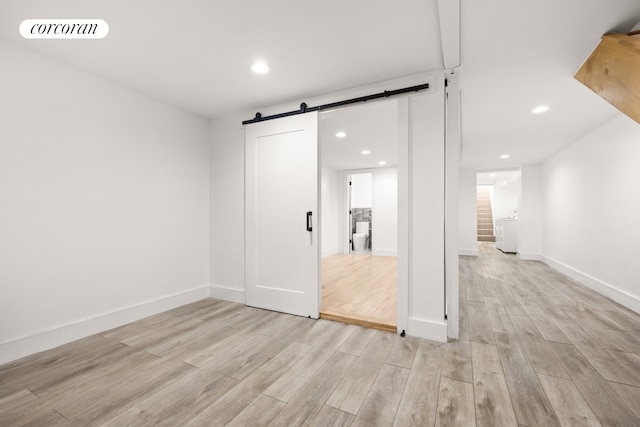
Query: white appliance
x: 507, y: 235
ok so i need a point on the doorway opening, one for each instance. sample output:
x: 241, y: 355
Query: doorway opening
x: 359, y: 214
x: 498, y: 197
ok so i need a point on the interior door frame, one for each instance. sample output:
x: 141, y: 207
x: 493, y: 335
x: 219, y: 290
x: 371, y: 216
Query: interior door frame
x: 348, y: 189
x: 404, y: 207
x: 404, y: 183
x: 349, y: 235
x: 405, y: 204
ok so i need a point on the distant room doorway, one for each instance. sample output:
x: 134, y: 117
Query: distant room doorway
x: 360, y: 213
x: 359, y: 206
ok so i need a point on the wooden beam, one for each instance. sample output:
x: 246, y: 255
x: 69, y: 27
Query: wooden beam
x: 613, y: 72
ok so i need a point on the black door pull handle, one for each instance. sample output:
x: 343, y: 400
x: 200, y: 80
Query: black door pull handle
x: 309, y: 225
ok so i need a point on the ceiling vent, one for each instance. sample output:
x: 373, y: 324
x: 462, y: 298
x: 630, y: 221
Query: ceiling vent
x: 612, y: 71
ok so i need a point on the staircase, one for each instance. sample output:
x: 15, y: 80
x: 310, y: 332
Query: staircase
x: 485, y: 215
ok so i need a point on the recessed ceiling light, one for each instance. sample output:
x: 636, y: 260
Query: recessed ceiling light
x: 540, y: 109
x: 365, y: 152
x: 260, y: 68
x: 492, y: 175
x: 382, y: 163
x: 505, y: 156
x: 341, y: 134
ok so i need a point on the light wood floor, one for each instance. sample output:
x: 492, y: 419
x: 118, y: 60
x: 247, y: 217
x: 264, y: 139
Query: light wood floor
x: 535, y: 350
x: 360, y: 289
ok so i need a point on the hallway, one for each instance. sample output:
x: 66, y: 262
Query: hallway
x: 541, y: 348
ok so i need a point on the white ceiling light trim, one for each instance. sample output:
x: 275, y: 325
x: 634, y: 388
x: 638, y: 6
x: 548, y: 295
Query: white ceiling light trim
x: 505, y: 156
x: 341, y: 134
x: 259, y: 67
x: 540, y: 109
x: 365, y: 152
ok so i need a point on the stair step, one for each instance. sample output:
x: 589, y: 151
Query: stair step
x: 484, y: 215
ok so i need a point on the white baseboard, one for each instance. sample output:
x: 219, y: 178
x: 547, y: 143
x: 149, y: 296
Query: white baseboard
x: 329, y: 252
x: 382, y: 252
x: 632, y: 302
x: 227, y: 293
x: 453, y: 325
x: 56, y: 336
x: 529, y: 256
x: 467, y: 252
x: 427, y: 329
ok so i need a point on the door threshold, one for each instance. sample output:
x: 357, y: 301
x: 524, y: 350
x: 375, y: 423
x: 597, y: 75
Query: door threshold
x: 359, y: 321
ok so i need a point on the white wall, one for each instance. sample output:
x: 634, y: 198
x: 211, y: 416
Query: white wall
x: 104, y: 204
x: 591, y: 210
x: 385, y: 212
x: 505, y: 197
x: 226, y: 262
x: 467, y: 213
x: 361, y: 190
x: 331, y: 192
x: 530, y: 208
x: 227, y: 208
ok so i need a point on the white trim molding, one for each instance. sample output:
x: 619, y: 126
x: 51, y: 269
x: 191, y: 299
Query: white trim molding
x: 529, y: 256
x: 427, y: 329
x: 44, y: 340
x: 382, y: 252
x: 227, y: 293
x: 468, y: 252
x: 632, y: 302
x: 329, y: 252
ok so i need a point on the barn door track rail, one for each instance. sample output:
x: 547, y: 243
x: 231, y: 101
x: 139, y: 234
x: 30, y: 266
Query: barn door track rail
x: 306, y: 109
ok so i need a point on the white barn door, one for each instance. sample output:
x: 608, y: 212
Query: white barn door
x: 281, y: 215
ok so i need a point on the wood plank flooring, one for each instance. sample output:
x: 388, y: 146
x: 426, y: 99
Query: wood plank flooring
x: 360, y: 289
x: 535, y: 349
